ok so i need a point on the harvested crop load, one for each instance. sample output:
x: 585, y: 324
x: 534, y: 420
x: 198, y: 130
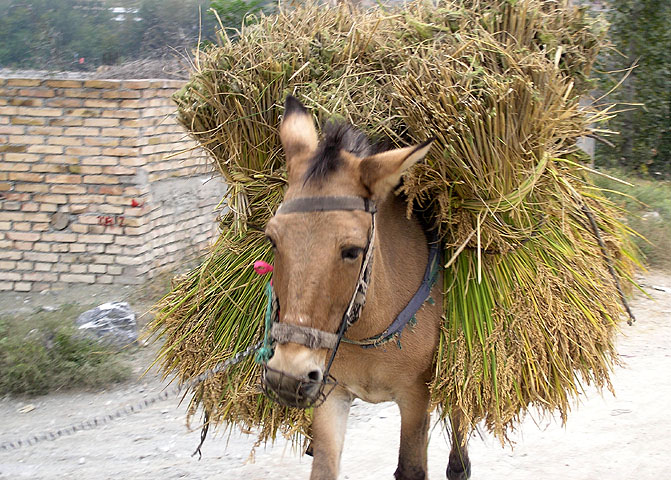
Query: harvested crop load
x: 533, y: 254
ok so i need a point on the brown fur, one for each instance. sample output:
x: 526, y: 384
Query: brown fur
x: 314, y: 285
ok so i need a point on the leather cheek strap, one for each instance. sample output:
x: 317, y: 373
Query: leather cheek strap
x: 310, y: 337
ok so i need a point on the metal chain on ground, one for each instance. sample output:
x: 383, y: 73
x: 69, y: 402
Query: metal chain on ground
x: 129, y: 409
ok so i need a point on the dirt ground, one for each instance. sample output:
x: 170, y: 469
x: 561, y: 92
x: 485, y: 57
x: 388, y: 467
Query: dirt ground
x: 615, y: 438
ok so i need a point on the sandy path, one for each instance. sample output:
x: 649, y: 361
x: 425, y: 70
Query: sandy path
x: 611, y: 438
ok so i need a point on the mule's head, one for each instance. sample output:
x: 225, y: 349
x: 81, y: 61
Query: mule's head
x: 318, y: 255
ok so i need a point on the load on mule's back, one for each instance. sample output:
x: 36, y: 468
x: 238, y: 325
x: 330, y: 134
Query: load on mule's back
x: 528, y: 301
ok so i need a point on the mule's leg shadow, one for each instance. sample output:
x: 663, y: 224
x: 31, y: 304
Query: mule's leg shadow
x: 459, y: 465
x: 328, y: 435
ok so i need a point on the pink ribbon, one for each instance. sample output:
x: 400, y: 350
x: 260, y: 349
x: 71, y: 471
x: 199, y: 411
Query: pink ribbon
x: 262, y: 268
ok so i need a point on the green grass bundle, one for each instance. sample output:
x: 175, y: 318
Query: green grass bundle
x: 531, y: 306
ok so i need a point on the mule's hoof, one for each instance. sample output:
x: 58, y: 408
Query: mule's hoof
x: 461, y: 472
x: 309, y: 451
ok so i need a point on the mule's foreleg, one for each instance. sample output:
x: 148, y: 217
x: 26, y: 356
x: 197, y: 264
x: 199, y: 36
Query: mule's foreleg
x: 459, y: 466
x: 328, y: 434
x: 414, y: 407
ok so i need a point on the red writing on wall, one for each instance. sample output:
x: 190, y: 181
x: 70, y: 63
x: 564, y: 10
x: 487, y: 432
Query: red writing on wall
x: 110, y: 221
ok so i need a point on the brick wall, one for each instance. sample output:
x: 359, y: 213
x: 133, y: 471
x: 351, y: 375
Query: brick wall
x: 93, y: 187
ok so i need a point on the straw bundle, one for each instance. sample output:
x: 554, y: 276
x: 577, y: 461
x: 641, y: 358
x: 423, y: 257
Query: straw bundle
x: 530, y: 304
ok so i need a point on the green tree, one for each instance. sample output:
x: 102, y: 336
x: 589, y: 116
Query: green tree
x: 641, y: 33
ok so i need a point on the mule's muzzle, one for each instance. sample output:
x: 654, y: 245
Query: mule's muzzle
x: 306, y: 392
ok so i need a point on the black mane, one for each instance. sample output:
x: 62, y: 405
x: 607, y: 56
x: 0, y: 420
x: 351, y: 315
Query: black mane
x: 338, y: 135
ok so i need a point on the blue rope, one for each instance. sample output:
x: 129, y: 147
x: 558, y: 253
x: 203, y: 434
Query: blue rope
x: 265, y: 352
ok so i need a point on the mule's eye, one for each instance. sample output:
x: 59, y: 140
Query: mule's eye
x: 351, y: 253
x: 271, y: 241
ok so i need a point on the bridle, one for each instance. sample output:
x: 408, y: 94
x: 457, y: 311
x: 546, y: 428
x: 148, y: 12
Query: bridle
x: 315, y: 339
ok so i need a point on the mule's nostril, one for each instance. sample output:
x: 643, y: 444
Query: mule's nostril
x: 315, y: 375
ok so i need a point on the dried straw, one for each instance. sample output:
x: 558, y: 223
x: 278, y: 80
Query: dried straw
x: 530, y: 305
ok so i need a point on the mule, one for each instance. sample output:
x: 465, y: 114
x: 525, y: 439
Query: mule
x: 342, y: 234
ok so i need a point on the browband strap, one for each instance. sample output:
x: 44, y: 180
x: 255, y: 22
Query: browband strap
x: 326, y: 204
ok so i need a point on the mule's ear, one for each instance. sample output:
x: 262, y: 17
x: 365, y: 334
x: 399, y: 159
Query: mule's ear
x: 380, y: 173
x: 298, y: 136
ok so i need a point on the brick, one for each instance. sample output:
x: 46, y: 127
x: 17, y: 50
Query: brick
x: 43, y: 267
x: 31, y: 187
x: 97, y: 268
x: 83, y: 150
x: 7, y: 265
x: 13, y: 148
x: 119, y: 132
x: 132, y: 162
x: 23, y: 82
x: 90, y: 170
x: 117, y: 170
x: 122, y: 94
x: 26, y: 177
x: 97, y: 103
x: 135, y: 84
x: 116, y: 113
x: 81, y: 93
x: 102, y: 84
x: 104, y: 279
x: 27, y: 121
x: 47, y: 168
x: 100, y: 161
x: 114, y: 269
x: 26, y: 139
x: 14, y: 167
x: 11, y: 255
x: 101, y: 122
x: 40, y: 112
x: 66, y: 122
x: 45, y: 130
x: 63, y: 83
x: 12, y: 276
x: 37, y: 92
x: 101, y: 141
x: 120, y: 152
x: 77, y: 209
x: 23, y: 236
x: 26, y: 102
x: 79, y: 228
x: 82, y: 131
x: 126, y: 260
x: 76, y: 278
x: 78, y: 268
x: 23, y: 245
x: 104, y: 179
x: 64, y: 179
x: 77, y: 247
x: 62, y: 248
x: 68, y: 189
x: 90, y: 238
x: 40, y: 227
x: 59, y: 237
x: 22, y: 287
x: 35, y: 217
x: 5, y: 186
x: 82, y: 112
x: 105, y: 259
x: 11, y: 129
x: 64, y: 102
x: 25, y: 265
x: 41, y: 257
x: 40, y: 277
x: 50, y: 198
x: 49, y: 207
x: 51, y: 149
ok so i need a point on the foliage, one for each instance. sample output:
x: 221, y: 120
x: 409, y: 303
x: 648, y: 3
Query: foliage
x: 640, y: 35
x: 646, y: 205
x: 233, y: 12
x: 531, y: 308
x: 54, y: 34
x: 43, y: 352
